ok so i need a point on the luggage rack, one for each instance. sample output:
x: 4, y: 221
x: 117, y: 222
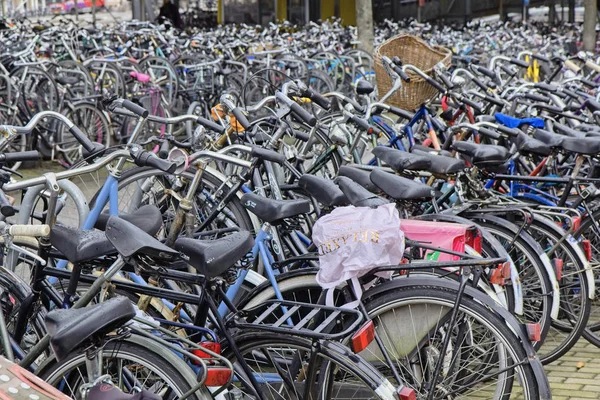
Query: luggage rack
x: 300, y: 319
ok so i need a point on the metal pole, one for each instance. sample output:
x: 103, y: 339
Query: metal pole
x: 571, y: 11
x: 94, y: 13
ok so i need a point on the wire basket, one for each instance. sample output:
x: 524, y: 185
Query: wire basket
x: 411, y: 50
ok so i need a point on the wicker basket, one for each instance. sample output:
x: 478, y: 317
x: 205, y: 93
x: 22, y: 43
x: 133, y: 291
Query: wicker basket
x: 414, y: 51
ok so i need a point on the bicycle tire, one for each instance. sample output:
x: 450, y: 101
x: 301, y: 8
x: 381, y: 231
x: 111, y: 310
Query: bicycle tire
x: 140, y: 350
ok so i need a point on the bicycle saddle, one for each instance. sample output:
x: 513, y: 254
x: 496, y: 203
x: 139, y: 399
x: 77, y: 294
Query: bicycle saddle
x: 442, y: 165
x: 148, y: 218
x: 67, y: 80
x: 79, y: 246
x: 105, y: 391
x: 213, y: 257
x: 358, y: 195
x: 400, y: 188
x: 400, y: 160
x: 68, y: 329
x: 482, y: 154
x: 584, y: 145
x: 129, y: 240
x: 323, y: 190
x: 359, y: 176
x: 526, y: 144
x: 565, y: 130
x: 270, y: 210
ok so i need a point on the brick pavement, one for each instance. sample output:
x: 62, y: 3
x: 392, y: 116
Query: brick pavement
x: 572, y: 380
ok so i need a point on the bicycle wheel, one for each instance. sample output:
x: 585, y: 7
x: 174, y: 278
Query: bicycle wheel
x: 484, y: 358
x: 280, y: 364
x: 536, y: 284
x: 140, y: 186
x: 587, y: 231
x: 92, y: 121
x: 574, y: 303
x: 133, y: 363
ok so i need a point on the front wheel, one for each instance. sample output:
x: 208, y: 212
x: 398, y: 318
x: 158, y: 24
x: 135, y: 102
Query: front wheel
x: 134, y: 363
x: 281, y: 366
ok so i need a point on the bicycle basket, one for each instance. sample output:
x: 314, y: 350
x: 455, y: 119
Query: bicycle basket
x: 414, y: 51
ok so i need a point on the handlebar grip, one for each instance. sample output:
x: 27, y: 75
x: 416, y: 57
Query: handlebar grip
x: 31, y: 155
x: 134, y: 108
x: 401, y: 113
x: 540, y: 57
x: 446, y: 81
x: 403, y: 75
x: 485, y: 71
x: 572, y: 66
x: 82, y: 138
x: 519, y: 63
x: 163, y: 151
x: 436, y: 85
x: 489, y: 133
x: 266, y: 154
x: 29, y: 230
x: 494, y: 100
x: 570, y: 93
x: 213, y: 126
x: 361, y: 123
x: 590, y: 83
x: 480, y: 83
x: 546, y: 87
x: 303, y: 114
x: 396, y: 60
x: 592, y: 65
x: 508, y: 70
x: 473, y: 104
x: 148, y: 159
x: 241, y: 118
x: 508, y: 131
x: 318, y: 98
x: 537, y: 97
x: 6, y: 208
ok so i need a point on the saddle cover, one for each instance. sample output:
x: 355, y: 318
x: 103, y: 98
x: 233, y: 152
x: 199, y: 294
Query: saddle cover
x: 354, y: 240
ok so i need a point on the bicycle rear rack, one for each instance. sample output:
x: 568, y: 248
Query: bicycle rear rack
x: 299, y: 319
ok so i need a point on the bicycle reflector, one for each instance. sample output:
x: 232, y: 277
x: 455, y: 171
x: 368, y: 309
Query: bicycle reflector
x: 217, y: 376
x: 587, y: 249
x: 211, y: 346
x: 364, y: 336
x: 500, y: 274
x: 407, y: 393
x: 557, y: 263
x: 576, y: 223
x: 534, y: 331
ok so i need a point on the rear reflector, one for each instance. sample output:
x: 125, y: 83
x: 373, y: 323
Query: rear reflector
x: 500, y: 274
x: 576, y: 223
x: 534, y: 331
x: 364, y: 336
x: 407, y: 393
x: 217, y: 376
x: 587, y: 249
x: 212, y: 346
x: 557, y: 263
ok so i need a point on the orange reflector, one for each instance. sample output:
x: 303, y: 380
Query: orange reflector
x: 500, y: 274
x: 587, y: 249
x: 370, y: 131
x: 217, y: 376
x: 534, y: 331
x: 576, y: 223
x: 212, y: 346
x: 364, y: 336
x: 557, y: 263
x: 407, y: 393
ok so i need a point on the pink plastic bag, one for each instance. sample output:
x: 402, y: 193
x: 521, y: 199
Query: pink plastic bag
x: 354, y: 240
x: 439, y: 234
